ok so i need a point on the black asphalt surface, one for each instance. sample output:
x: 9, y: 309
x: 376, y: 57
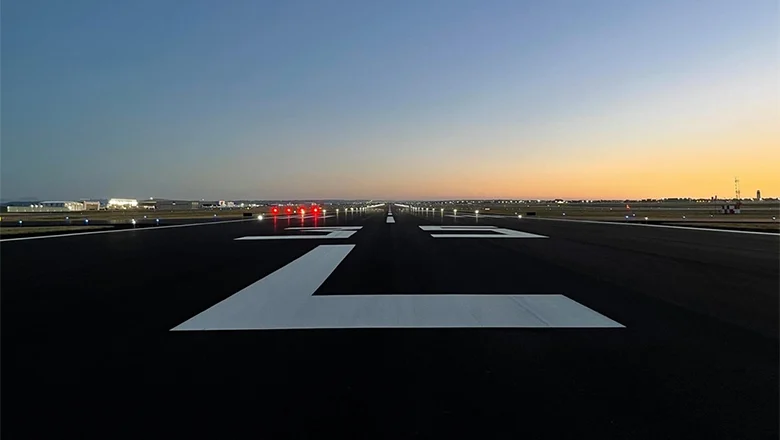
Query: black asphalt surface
x: 87, y: 351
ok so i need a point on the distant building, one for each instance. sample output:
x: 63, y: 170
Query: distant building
x: 122, y: 203
x: 91, y: 205
x: 758, y: 195
x: 53, y: 206
x: 169, y: 205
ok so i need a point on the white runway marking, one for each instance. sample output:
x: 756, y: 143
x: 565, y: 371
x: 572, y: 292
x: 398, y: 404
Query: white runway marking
x: 494, y: 232
x: 323, y: 228
x: 390, y: 220
x: 149, y: 228
x: 283, y: 300
x: 690, y: 228
x: 333, y: 232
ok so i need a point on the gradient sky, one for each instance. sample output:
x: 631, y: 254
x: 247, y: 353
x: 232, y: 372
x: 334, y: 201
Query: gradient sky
x: 389, y: 99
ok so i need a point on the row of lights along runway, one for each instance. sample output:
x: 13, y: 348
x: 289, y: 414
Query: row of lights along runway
x: 432, y: 211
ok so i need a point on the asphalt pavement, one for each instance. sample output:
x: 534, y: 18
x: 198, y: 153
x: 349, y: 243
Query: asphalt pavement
x: 423, y: 326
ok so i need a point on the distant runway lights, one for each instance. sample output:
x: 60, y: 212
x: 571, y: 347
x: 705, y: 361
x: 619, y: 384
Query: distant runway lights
x: 476, y: 212
x: 133, y: 222
x: 683, y: 216
x: 455, y: 211
x: 157, y: 220
x: 260, y: 217
x: 645, y: 218
x: 520, y: 216
x: 215, y: 215
x: 774, y: 218
x: 86, y: 220
x: 325, y: 211
x: 20, y: 222
x: 626, y: 217
x: 337, y: 210
x: 565, y: 214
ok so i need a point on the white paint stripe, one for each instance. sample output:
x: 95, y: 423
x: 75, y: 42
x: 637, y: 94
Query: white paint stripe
x: 149, y: 228
x: 456, y: 228
x: 401, y: 311
x: 490, y: 236
x: 390, y: 220
x: 283, y: 290
x: 493, y: 232
x: 331, y: 235
x: 689, y: 228
x: 332, y: 232
x: 283, y: 300
x: 287, y: 237
x: 323, y: 228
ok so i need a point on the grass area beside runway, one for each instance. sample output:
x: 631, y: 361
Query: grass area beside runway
x: 16, y: 231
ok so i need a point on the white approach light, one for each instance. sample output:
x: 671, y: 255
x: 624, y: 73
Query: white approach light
x: 476, y: 212
x: 645, y: 218
x: 132, y: 221
x: 260, y: 217
x: 520, y: 216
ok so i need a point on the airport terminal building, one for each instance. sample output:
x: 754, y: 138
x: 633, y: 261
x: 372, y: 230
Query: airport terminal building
x: 50, y: 206
x: 169, y: 205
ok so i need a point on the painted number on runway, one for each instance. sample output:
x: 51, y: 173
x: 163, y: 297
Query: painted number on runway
x: 284, y: 300
x: 480, y: 232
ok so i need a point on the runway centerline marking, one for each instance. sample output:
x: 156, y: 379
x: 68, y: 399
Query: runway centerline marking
x: 284, y: 300
x: 494, y: 232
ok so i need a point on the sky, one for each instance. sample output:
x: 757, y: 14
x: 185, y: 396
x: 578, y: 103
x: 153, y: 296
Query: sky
x: 407, y: 99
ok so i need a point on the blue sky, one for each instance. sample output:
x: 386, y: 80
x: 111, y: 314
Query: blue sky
x: 403, y: 99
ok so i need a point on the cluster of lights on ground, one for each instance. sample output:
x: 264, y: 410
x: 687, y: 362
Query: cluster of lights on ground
x: 316, y: 210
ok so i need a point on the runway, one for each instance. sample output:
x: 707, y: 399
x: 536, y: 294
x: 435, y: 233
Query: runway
x: 410, y: 325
